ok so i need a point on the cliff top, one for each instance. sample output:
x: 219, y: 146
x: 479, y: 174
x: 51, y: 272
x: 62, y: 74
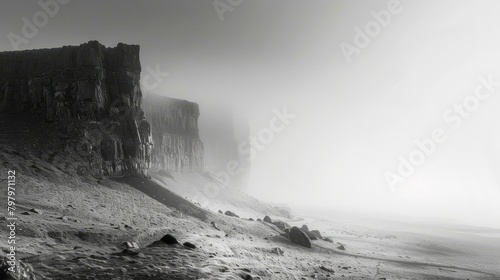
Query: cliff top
x: 93, y: 43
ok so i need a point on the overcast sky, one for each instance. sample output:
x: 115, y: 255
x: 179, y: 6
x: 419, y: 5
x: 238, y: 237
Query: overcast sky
x: 353, y: 119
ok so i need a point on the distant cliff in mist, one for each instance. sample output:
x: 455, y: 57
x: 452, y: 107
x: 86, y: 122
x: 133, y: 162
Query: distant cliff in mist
x: 177, y: 145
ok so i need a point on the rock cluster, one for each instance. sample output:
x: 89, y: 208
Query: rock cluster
x: 95, y: 86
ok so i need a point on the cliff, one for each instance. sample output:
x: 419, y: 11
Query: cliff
x: 93, y: 90
x: 177, y: 145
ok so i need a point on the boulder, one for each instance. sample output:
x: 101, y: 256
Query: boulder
x: 328, y: 239
x: 304, y: 228
x: 267, y: 219
x: 169, y: 240
x: 297, y: 236
x: 231, y: 214
x: 189, y: 245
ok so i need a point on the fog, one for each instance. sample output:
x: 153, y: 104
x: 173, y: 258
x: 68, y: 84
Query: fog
x: 352, y: 114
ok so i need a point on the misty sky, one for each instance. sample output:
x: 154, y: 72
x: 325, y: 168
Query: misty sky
x: 353, y: 120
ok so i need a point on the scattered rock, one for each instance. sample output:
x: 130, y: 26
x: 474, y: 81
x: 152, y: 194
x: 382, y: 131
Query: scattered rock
x: 220, y: 212
x: 21, y: 271
x: 328, y: 239
x: 37, y: 211
x: 327, y: 269
x: 127, y: 227
x: 215, y: 225
x: 267, y: 219
x: 64, y: 218
x: 25, y: 213
x: 169, y: 239
x: 278, y: 251
x: 231, y: 214
x: 251, y: 219
x: 189, y: 245
x: 259, y: 220
x: 341, y: 247
x: 297, y: 236
x: 304, y: 228
x: 129, y: 244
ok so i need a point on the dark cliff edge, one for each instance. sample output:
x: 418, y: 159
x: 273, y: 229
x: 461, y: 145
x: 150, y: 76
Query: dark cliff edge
x: 92, y: 93
x: 177, y: 145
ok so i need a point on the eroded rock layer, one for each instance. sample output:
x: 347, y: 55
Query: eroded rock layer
x: 177, y: 144
x: 94, y: 90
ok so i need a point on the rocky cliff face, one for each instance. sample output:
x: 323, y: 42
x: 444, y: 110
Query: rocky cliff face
x: 92, y: 89
x: 177, y: 144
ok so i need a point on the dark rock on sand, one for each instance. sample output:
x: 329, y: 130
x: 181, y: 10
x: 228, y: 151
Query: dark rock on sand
x: 169, y: 239
x: 231, y: 214
x: 278, y: 251
x: 215, y: 225
x: 297, y: 236
x: 189, y: 245
x: 328, y: 239
x: 37, y: 211
x: 267, y: 219
x: 327, y: 269
x: 304, y: 228
x: 220, y: 212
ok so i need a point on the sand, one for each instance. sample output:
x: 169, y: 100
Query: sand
x: 84, y: 221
